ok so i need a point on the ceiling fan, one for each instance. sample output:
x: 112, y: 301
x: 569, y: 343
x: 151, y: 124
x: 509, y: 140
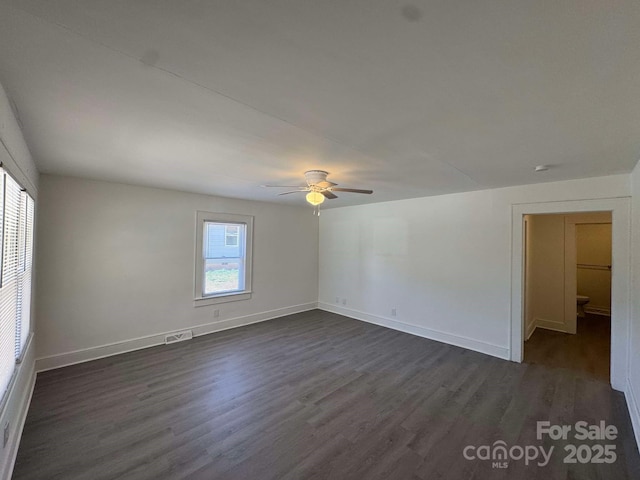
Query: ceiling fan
x: 318, y: 188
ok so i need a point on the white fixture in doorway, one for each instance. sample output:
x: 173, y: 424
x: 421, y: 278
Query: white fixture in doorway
x: 581, y: 301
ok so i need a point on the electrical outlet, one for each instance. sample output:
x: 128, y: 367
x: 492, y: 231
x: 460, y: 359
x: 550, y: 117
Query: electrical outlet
x: 393, y: 312
x: 216, y: 313
x: 5, y: 436
x: 344, y: 301
x: 337, y: 299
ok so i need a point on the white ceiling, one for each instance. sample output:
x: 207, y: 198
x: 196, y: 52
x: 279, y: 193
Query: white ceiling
x: 411, y: 100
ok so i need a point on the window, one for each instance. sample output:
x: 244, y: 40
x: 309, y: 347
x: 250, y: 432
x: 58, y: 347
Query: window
x: 16, y: 225
x: 232, y: 235
x: 25, y: 263
x: 223, y: 258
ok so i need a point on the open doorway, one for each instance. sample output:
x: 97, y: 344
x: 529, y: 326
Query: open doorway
x: 620, y: 276
x: 567, y: 292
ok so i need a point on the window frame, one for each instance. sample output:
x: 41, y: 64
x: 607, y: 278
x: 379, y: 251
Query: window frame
x: 202, y: 218
x: 24, y: 247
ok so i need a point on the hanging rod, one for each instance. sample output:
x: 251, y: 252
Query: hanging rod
x: 588, y: 266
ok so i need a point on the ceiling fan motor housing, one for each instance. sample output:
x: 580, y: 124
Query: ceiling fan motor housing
x: 315, y: 176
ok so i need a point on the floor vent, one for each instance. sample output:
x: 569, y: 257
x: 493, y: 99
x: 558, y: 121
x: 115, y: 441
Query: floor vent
x: 178, y: 337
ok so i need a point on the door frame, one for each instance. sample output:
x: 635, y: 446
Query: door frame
x: 620, y: 209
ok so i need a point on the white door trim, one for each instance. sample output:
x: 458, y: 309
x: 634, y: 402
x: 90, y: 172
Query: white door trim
x: 620, y: 279
x: 570, y: 276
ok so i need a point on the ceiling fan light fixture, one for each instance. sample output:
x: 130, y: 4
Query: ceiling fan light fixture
x: 315, y: 198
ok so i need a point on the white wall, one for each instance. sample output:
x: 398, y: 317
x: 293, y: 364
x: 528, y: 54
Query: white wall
x: 116, y: 263
x: 444, y: 263
x: 16, y: 158
x: 633, y: 388
x: 545, y: 277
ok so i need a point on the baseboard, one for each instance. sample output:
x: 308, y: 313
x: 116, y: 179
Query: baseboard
x: 94, y: 353
x: 23, y: 401
x: 593, y: 310
x: 444, y: 337
x: 530, y: 329
x: 634, y: 410
x: 550, y: 325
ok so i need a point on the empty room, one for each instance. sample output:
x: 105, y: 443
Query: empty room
x: 319, y: 240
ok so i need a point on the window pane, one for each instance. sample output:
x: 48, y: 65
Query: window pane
x: 9, y: 294
x: 224, y: 252
x: 222, y: 276
x: 23, y: 327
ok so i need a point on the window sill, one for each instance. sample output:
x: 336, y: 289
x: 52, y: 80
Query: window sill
x: 224, y: 298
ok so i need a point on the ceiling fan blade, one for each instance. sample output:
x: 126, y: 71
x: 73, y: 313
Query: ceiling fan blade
x: 352, y: 190
x: 284, y: 186
x: 328, y: 194
x: 325, y: 184
x: 294, y: 191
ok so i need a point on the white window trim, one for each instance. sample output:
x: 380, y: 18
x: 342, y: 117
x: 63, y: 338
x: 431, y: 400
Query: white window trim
x: 201, y: 218
x: 21, y: 317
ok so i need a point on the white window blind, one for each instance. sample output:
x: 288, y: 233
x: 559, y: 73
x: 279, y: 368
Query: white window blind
x: 17, y: 210
x: 7, y: 324
x: 25, y: 262
x: 9, y: 286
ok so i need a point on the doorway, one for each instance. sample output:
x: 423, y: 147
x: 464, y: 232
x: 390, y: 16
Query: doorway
x: 567, y: 292
x: 620, y: 275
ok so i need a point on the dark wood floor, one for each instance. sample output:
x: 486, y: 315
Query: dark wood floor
x: 587, y: 353
x: 309, y: 396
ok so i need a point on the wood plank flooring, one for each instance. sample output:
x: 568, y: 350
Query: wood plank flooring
x: 308, y: 396
x: 588, y: 352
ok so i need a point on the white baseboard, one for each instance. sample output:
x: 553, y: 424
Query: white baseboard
x: 594, y: 310
x: 94, y: 353
x: 14, y: 443
x: 444, y: 337
x: 530, y: 329
x: 550, y: 325
x: 634, y: 410
x: 22, y: 398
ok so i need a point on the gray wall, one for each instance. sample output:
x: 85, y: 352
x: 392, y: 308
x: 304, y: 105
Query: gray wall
x: 116, y: 264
